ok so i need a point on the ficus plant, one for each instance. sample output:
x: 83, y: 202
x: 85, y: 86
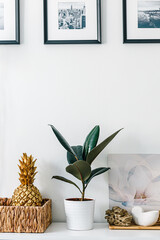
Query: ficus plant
x: 80, y: 158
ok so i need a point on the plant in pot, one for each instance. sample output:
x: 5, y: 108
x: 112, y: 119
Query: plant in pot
x: 80, y: 211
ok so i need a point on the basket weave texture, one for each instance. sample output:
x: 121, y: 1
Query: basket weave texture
x: 21, y: 219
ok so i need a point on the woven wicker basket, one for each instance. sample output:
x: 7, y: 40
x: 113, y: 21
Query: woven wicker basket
x: 24, y: 219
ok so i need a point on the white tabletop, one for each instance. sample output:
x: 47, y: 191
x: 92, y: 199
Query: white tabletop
x: 59, y: 231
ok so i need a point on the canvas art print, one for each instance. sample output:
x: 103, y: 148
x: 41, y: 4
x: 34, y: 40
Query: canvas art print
x: 71, y: 15
x: 134, y: 180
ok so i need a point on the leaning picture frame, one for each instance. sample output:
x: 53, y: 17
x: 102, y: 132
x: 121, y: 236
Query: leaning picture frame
x: 134, y: 180
x: 141, y: 21
x: 72, y: 21
x: 9, y: 22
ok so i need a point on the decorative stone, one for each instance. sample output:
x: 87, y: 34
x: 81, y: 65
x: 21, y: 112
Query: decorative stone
x: 118, y: 217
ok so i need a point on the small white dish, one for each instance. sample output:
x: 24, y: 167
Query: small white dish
x: 142, y: 218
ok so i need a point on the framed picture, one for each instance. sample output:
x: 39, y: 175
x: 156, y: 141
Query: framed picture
x: 134, y: 180
x: 9, y: 22
x: 141, y: 21
x: 72, y: 21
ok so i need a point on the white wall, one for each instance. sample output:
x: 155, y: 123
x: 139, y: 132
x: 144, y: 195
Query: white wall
x: 75, y: 87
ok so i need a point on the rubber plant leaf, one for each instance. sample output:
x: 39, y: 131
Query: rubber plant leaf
x: 95, y: 173
x: 91, y: 141
x: 78, y: 151
x: 66, y: 180
x: 98, y: 149
x: 62, y: 140
x: 80, y: 169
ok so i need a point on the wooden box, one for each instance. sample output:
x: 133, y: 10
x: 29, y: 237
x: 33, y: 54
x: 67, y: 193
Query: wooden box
x: 24, y: 219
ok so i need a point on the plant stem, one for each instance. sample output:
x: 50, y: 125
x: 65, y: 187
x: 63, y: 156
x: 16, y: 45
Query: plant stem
x: 76, y: 158
x: 83, y: 191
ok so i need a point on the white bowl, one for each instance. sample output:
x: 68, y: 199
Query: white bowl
x: 142, y: 218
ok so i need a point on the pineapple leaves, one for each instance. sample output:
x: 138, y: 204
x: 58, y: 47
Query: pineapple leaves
x: 66, y: 180
x: 95, y: 173
x: 62, y: 140
x: 98, y: 149
x: 79, y: 169
x: 91, y: 141
x: 78, y: 151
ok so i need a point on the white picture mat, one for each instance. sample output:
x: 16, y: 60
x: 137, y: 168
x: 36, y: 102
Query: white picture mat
x: 9, y: 21
x: 1, y: 16
x: 133, y: 32
x: 88, y: 33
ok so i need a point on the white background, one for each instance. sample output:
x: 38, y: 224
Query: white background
x: 75, y: 87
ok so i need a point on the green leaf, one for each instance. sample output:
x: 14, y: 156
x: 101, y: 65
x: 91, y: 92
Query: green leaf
x: 66, y: 180
x: 79, y: 169
x: 97, y: 150
x: 95, y: 173
x: 91, y: 141
x: 71, y: 158
x: 62, y: 140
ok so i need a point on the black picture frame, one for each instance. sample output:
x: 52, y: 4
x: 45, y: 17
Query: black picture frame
x: 17, y: 26
x: 125, y: 39
x: 96, y: 41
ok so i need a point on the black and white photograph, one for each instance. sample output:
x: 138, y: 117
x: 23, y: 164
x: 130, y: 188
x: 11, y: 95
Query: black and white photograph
x: 1, y: 16
x: 148, y: 14
x: 72, y: 21
x: 71, y: 15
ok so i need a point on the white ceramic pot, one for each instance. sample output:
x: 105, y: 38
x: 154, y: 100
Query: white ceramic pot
x: 79, y: 214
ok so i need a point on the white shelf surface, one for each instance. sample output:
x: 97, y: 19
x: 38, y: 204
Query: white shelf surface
x: 59, y: 231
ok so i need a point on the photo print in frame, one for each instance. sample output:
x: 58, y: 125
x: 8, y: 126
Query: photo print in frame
x: 9, y: 22
x: 141, y: 21
x: 72, y: 21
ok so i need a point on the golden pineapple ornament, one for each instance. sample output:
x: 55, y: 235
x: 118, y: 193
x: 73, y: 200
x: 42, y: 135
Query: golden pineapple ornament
x: 27, y: 194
